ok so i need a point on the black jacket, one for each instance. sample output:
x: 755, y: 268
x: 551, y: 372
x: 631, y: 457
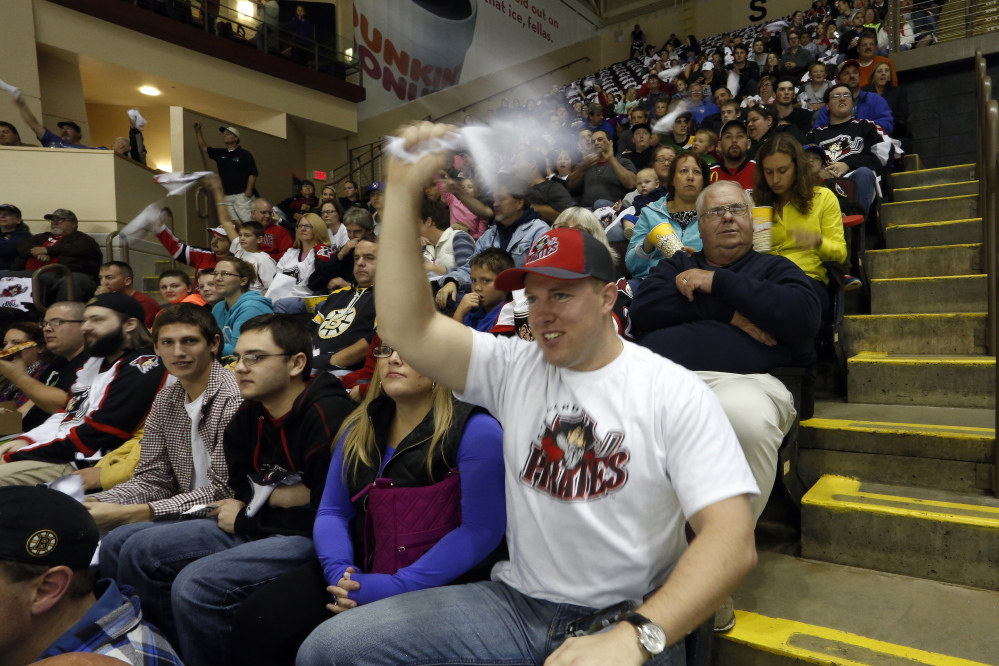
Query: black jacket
x: 301, y: 443
x: 76, y: 251
x: 10, y: 242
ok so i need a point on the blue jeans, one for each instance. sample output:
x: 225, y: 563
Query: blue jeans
x: 290, y: 305
x: 866, y: 186
x: 191, y: 577
x: 480, y: 623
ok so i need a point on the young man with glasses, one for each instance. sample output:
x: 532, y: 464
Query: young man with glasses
x: 233, y: 278
x: 64, y: 339
x: 244, y: 241
x: 107, y: 403
x: 192, y: 575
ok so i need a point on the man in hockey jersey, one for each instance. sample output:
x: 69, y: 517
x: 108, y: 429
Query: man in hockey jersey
x: 855, y: 148
x: 866, y: 105
x: 345, y: 322
x: 735, y: 163
x: 108, y: 401
x: 199, y: 257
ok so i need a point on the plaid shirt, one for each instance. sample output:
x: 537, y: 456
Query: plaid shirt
x: 119, y: 633
x: 165, y: 471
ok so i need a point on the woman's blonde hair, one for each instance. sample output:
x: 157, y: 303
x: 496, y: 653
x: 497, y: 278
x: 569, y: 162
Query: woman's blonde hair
x: 359, y: 445
x: 319, y: 229
x: 584, y: 220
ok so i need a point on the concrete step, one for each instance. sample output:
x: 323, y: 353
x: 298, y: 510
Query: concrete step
x: 952, y: 293
x: 929, y: 261
x: 940, y: 381
x: 163, y: 265
x: 935, y: 233
x: 940, y: 176
x: 951, y: 334
x: 936, y: 191
x: 940, y: 535
x: 930, y: 210
x: 792, y: 611
x: 899, y: 447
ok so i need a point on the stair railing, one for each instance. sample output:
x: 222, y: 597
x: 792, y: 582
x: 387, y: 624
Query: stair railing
x: 987, y: 171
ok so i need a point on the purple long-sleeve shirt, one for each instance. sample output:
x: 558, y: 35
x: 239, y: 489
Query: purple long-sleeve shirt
x: 483, y: 521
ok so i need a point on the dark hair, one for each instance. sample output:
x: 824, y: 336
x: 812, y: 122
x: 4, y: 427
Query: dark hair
x: 493, y: 259
x: 828, y: 94
x: 203, y: 272
x: 601, y: 131
x: 188, y: 313
x: 803, y: 190
x: 121, y: 266
x: 255, y: 227
x: 289, y: 334
x: 81, y: 585
x: 868, y: 34
x: 4, y: 123
x: 674, y: 167
x: 305, y: 181
x: 352, y: 182
x: 740, y: 47
x: 337, y: 206
x: 173, y: 272
x: 244, y: 269
x: 764, y: 111
x: 34, y: 333
x: 437, y: 211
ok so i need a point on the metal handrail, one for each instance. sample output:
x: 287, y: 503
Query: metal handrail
x: 991, y: 200
x: 36, y: 285
x: 122, y: 245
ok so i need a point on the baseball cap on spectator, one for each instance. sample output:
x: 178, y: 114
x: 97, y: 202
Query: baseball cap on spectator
x: 230, y: 128
x: 686, y: 114
x: 817, y: 149
x: 637, y: 126
x: 708, y: 66
x: 39, y: 525
x: 562, y: 254
x: 735, y: 122
x: 10, y: 208
x: 218, y: 231
x: 69, y: 123
x: 377, y: 186
x: 62, y: 214
x: 848, y: 63
x: 120, y: 303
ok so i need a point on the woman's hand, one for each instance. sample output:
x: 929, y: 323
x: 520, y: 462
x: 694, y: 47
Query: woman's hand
x: 807, y: 239
x: 341, y: 592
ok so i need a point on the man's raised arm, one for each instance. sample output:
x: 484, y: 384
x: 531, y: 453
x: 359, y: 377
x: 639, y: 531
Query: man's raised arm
x: 436, y: 346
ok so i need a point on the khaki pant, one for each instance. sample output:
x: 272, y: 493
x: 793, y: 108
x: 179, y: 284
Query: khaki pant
x: 32, y: 472
x: 240, y: 207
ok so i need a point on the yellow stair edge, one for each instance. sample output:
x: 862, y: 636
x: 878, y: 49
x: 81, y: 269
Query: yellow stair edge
x: 932, y: 277
x: 928, y: 359
x: 935, y: 224
x: 777, y: 635
x: 953, y: 166
x: 920, y: 315
x: 842, y: 494
x: 923, y: 187
x: 916, y: 201
x: 921, y: 247
x: 885, y: 428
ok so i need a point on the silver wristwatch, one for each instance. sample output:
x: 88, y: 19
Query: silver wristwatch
x: 651, y: 636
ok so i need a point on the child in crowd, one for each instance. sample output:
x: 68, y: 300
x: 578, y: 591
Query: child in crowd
x: 175, y: 287
x: 480, y: 309
x: 250, y: 236
x: 704, y: 144
x: 646, y: 181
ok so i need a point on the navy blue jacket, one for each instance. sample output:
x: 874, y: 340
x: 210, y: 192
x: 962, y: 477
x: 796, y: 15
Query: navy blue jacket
x: 768, y: 290
x: 9, y: 242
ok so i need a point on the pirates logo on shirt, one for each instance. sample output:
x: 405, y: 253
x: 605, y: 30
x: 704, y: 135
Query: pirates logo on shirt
x: 41, y: 543
x: 336, y: 322
x: 324, y: 252
x: 146, y: 363
x: 571, y: 463
x: 76, y: 406
x: 545, y: 247
x: 295, y: 273
x: 842, y: 146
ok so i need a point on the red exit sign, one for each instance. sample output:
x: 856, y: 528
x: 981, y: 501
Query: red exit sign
x: 319, y: 175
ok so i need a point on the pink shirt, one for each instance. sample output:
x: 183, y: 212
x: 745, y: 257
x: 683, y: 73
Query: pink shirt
x: 460, y: 213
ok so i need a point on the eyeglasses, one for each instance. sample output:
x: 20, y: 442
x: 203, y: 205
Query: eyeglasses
x: 56, y: 323
x: 841, y: 96
x: 305, y: 226
x: 329, y: 212
x: 664, y: 160
x: 382, y: 351
x: 718, y: 212
x: 219, y: 274
x: 252, y: 359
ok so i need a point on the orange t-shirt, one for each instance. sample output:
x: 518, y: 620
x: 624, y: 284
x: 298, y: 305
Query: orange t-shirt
x: 865, y: 72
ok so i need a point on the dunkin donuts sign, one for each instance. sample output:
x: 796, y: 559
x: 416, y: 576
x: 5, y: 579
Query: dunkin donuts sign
x: 412, y: 48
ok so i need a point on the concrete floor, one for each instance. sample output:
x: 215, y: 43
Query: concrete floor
x: 947, y: 416
x: 936, y: 617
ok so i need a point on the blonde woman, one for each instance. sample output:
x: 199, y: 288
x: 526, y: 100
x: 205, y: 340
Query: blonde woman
x: 411, y: 434
x: 291, y: 283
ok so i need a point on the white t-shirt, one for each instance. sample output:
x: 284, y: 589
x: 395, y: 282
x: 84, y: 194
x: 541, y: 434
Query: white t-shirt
x: 602, y: 467
x: 262, y: 263
x: 339, y: 239
x: 199, y: 452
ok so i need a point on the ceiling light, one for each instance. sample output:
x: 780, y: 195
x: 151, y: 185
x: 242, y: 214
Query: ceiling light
x: 149, y: 90
x: 245, y: 8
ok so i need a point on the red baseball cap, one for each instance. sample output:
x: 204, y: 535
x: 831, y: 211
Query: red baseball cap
x: 563, y: 254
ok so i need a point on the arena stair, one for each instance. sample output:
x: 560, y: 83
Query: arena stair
x: 899, y: 544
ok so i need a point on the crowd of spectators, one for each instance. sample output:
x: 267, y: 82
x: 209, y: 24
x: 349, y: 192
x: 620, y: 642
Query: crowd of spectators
x: 251, y: 448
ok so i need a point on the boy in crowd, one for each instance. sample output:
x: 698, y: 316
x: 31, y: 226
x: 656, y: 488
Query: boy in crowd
x: 245, y: 241
x: 480, y: 309
x: 704, y: 145
x: 206, y: 287
x: 233, y: 278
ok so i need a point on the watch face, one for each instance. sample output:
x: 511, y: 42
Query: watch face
x: 652, y: 637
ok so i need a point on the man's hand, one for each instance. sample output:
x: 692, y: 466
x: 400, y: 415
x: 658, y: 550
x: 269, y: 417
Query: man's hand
x: 227, y: 512
x: 589, y: 161
x: 694, y: 280
x: 834, y: 170
x: 412, y: 178
x: 13, y: 368
x: 43, y: 257
x: 197, y: 127
x: 341, y: 592
x: 38, y: 251
x: 445, y: 294
x: 355, y: 395
x: 347, y: 248
x: 12, y: 445
x: 285, y: 497
x: 109, y: 516
x: 618, y: 646
x: 337, y: 283
x: 753, y: 330
x: 91, y: 477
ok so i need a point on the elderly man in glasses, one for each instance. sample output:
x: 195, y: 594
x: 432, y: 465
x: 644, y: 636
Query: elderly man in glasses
x: 192, y: 575
x: 233, y: 278
x: 731, y: 314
